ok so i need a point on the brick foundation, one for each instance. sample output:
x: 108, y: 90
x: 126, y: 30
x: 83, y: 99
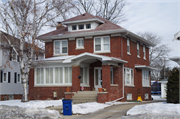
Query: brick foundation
x: 16, y: 96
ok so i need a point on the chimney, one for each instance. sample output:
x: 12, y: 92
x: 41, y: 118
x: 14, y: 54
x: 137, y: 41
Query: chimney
x: 59, y: 26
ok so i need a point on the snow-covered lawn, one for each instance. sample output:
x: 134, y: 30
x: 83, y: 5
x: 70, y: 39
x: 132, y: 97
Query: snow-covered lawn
x: 32, y: 104
x: 156, y: 108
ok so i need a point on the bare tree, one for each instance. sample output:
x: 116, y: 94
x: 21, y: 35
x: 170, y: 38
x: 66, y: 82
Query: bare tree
x: 157, y: 53
x: 112, y: 10
x: 24, y: 19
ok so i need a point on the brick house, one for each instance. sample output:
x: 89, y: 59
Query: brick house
x: 92, y: 52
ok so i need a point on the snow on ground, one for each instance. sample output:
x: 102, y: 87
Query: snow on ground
x: 157, y: 97
x: 32, y: 104
x: 156, y: 108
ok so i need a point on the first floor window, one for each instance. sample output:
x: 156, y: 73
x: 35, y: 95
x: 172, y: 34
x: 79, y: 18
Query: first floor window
x: 129, y: 76
x: 40, y: 76
x: 146, y: 96
x: 145, y: 78
x: 111, y: 76
x: 84, y: 76
x: 19, y: 78
x: 5, y: 77
x: 60, y: 47
x: 129, y: 96
x: 58, y: 75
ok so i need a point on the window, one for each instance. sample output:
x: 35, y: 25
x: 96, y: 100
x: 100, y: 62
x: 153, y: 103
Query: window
x: 15, y: 77
x: 111, y: 75
x: 5, y: 77
x: 53, y: 76
x: 11, y: 97
x: 144, y: 52
x: 74, y: 27
x: 138, y: 50
x: 81, y: 26
x: 84, y: 76
x: 9, y: 77
x: 102, y: 44
x: 19, y: 78
x: 88, y: 26
x: 129, y: 96
x: 129, y: 76
x: 146, y: 96
x: 145, y: 78
x: 13, y: 56
x: 80, y: 43
x: 60, y: 47
x: 128, y: 46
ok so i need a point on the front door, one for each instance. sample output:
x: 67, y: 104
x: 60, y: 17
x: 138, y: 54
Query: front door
x: 97, y: 78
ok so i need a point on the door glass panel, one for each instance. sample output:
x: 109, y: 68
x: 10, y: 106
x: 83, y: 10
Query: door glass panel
x: 96, y: 76
x: 66, y: 74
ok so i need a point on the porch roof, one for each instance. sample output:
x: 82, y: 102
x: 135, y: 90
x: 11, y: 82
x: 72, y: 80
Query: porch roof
x: 145, y: 67
x: 87, y: 55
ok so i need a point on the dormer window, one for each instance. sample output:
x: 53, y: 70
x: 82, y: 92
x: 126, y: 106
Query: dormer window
x: 88, y: 26
x: 81, y: 26
x: 74, y: 27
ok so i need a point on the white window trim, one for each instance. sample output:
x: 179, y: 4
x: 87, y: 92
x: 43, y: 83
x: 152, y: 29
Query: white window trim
x: 102, y: 44
x: 131, y: 83
x: 53, y: 84
x: 15, y: 56
x: 79, y: 47
x: 138, y: 55
x: 82, y: 84
x: 61, y: 47
x: 6, y: 77
x: 144, y: 80
x: 144, y: 52
x: 128, y: 44
x: 17, y: 78
x: 127, y: 96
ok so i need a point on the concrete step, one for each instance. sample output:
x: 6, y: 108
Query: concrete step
x: 87, y: 92
x: 86, y: 97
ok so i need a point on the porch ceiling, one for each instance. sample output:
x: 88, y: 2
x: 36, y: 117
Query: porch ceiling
x: 145, y: 67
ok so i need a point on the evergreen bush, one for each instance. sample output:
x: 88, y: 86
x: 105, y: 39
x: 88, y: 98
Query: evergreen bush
x: 173, y: 87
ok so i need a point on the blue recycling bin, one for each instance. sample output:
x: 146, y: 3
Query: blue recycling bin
x: 67, y: 107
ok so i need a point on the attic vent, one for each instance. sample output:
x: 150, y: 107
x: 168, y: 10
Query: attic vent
x: 83, y: 15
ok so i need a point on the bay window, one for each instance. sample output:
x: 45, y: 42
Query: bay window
x: 145, y: 78
x: 60, y: 47
x: 129, y: 76
x: 101, y: 44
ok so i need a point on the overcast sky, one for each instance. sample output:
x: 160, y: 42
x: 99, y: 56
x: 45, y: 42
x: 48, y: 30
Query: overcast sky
x: 158, y: 16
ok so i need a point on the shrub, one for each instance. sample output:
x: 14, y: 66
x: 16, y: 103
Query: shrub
x: 173, y: 86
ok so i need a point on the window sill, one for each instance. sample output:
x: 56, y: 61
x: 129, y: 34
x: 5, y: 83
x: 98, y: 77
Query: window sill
x: 60, y: 55
x: 144, y: 58
x: 146, y: 86
x: 128, y: 53
x: 85, y: 85
x: 114, y: 85
x: 52, y: 85
x: 138, y: 56
x: 80, y: 48
x: 130, y: 85
x: 129, y: 99
x: 102, y: 52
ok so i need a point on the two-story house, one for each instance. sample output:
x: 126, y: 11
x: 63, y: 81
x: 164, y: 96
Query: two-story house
x: 92, y: 52
x: 10, y: 75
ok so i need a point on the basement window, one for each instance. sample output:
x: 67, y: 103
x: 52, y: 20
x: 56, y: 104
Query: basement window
x: 129, y: 96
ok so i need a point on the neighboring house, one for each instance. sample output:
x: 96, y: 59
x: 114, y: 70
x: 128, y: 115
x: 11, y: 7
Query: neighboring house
x: 92, y: 52
x: 163, y: 87
x: 155, y: 87
x: 10, y: 75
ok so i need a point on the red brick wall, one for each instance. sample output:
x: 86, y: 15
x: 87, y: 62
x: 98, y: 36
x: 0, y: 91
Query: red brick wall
x: 75, y: 79
x: 48, y: 49
x: 69, y: 96
x: 16, y: 96
x: 102, y: 97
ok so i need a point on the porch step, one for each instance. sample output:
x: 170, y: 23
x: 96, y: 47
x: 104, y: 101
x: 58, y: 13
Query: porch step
x: 85, y: 96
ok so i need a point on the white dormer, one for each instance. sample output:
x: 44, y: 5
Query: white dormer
x: 81, y: 25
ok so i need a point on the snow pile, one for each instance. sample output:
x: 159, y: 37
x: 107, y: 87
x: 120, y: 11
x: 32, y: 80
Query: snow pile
x: 155, y: 108
x: 86, y: 108
x: 33, y: 104
x: 15, y: 112
x: 157, y: 97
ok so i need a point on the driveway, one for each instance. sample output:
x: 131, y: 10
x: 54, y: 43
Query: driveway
x: 113, y: 112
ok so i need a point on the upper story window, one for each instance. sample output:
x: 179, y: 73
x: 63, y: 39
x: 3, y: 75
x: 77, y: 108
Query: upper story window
x: 81, y: 26
x: 13, y: 55
x: 88, y: 26
x: 145, y: 78
x: 101, y: 44
x: 60, y: 47
x: 129, y: 76
x: 138, y: 50
x: 144, y: 52
x: 80, y: 43
x: 128, y: 46
x: 74, y: 27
